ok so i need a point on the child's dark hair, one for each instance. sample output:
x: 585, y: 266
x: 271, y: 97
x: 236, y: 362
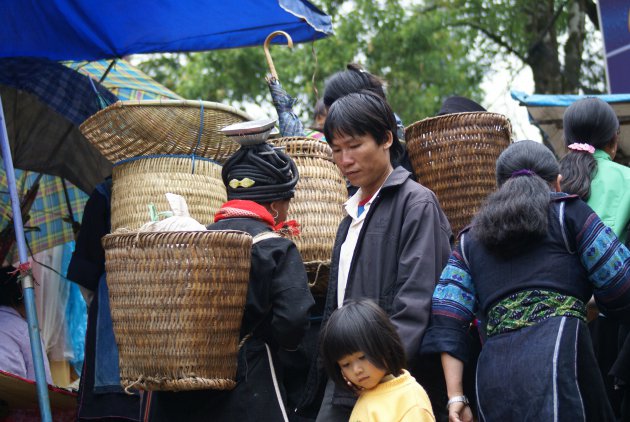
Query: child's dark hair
x: 363, y: 113
x: 361, y: 326
x: 10, y: 289
x: 587, y: 121
x: 515, y: 216
x: 354, y: 79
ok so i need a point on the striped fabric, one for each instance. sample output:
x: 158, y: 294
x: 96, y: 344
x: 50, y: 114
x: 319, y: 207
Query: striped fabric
x: 124, y: 80
x: 49, y: 209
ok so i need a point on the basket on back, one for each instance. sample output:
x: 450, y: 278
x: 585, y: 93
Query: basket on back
x: 144, y: 180
x: 317, y: 205
x: 455, y: 156
x: 163, y: 146
x: 177, y: 300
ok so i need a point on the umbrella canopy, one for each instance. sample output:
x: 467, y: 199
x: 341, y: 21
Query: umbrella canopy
x: 88, y: 30
x: 124, y: 80
x: 54, y: 100
x: 546, y: 112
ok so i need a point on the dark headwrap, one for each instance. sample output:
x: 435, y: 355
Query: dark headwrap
x: 457, y: 104
x: 259, y: 173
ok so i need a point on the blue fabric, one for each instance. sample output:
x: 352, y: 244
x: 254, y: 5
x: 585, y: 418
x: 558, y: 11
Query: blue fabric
x: 76, y: 315
x: 88, y: 30
x: 563, y: 100
x: 68, y: 93
x: 107, y: 371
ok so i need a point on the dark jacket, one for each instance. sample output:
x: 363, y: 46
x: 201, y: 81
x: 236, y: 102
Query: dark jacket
x: 402, y: 247
x: 276, y: 313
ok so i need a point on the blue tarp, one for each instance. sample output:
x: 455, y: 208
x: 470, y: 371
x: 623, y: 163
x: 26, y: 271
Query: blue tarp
x: 563, y: 100
x: 90, y: 30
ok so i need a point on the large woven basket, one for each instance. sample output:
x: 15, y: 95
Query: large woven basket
x: 129, y: 129
x: 455, y: 156
x: 317, y: 206
x: 144, y: 180
x: 177, y: 301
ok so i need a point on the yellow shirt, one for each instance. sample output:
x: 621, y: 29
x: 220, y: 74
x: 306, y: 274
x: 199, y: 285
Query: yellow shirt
x: 400, y: 399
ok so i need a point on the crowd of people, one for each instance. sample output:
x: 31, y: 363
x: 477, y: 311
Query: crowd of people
x: 543, y: 250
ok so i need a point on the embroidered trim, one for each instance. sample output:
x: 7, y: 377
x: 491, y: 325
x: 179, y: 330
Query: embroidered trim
x: 530, y: 307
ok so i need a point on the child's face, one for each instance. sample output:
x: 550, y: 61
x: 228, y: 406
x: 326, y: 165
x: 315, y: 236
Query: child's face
x: 357, y: 369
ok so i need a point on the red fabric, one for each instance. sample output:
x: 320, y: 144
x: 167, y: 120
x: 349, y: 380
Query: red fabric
x: 251, y: 209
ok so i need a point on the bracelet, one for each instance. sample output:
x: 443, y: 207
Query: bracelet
x: 457, y: 399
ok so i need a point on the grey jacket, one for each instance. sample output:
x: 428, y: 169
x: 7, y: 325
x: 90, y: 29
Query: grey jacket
x: 402, y: 248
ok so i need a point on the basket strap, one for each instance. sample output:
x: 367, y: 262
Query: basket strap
x: 275, y: 384
x: 264, y: 236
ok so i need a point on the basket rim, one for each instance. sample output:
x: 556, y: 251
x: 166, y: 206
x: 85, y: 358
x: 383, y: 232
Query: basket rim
x: 116, y: 124
x: 453, y: 116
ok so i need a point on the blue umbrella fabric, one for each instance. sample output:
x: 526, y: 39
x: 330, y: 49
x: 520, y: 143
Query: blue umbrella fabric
x: 289, y: 122
x: 92, y: 30
x: 44, y: 103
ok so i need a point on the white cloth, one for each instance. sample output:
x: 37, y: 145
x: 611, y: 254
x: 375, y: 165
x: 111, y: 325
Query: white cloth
x: 348, y: 246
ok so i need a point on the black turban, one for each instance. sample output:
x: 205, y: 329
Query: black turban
x: 458, y: 104
x: 273, y: 173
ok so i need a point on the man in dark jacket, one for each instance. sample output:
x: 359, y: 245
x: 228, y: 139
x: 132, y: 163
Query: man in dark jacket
x: 394, y: 242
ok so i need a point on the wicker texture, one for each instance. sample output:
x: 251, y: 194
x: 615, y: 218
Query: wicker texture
x: 177, y: 301
x: 317, y: 205
x: 455, y: 156
x: 129, y: 129
x: 136, y: 183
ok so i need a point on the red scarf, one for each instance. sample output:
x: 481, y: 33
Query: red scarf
x: 250, y: 209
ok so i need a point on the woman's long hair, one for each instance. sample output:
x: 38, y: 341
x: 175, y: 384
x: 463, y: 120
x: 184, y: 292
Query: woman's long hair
x: 588, y: 121
x: 515, y: 215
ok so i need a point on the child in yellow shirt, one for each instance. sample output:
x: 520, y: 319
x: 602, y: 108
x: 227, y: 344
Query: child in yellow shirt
x: 362, y: 352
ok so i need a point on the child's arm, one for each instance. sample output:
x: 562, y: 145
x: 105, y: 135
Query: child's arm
x: 417, y: 414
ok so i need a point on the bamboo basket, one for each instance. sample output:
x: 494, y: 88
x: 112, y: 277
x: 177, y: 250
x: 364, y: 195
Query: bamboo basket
x: 317, y: 205
x: 128, y: 129
x: 455, y: 156
x: 144, y: 180
x: 177, y: 301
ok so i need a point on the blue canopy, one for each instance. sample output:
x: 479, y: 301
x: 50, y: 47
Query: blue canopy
x: 91, y: 30
x: 546, y: 112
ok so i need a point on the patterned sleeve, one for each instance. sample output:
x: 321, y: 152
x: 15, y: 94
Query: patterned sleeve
x: 607, y: 262
x: 453, y: 309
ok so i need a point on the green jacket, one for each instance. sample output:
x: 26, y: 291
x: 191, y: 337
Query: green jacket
x: 610, y: 194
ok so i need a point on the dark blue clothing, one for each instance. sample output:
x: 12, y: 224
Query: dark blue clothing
x: 578, y: 257
x: 102, y: 399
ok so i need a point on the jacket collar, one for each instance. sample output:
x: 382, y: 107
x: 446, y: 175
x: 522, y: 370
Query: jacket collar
x: 396, y: 178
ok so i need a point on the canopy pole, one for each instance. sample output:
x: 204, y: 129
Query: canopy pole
x: 27, y: 281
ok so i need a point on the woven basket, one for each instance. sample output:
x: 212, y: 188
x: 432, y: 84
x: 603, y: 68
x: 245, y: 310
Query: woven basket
x: 455, y: 156
x: 129, y: 129
x: 177, y: 301
x: 144, y: 180
x: 317, y: 206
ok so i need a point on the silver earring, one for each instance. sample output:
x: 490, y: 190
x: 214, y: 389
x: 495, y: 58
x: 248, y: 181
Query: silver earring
x: 276, y: 215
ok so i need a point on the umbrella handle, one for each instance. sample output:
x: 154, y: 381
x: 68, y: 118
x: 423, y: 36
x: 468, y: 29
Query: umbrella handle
x: 271, y: 36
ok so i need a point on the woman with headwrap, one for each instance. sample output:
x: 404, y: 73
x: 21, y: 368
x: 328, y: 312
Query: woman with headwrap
x: 260, y: 182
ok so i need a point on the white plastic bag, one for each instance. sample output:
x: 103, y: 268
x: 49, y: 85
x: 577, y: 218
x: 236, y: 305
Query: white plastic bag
x: 179, y: 221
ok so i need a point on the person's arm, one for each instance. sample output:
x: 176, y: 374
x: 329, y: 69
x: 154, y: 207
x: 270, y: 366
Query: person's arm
x: 417, y: 414
x: 607, y: 262
x: 423, y: 252
x: 453, y: 374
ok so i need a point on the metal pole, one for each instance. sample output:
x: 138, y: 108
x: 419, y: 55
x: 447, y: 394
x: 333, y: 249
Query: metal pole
x: 27, y: 281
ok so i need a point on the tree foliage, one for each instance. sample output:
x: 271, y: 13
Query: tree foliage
x: 421, y: 59
x: 556, y: 38
x: 425, y: 50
